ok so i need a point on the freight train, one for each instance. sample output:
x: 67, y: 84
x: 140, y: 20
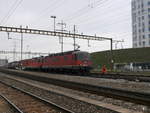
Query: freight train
x: 72, y: 61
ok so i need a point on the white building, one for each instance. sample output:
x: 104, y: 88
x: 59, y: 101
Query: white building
x: 141, y: 23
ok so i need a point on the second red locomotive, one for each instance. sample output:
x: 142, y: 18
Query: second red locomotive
x: 72, y: 61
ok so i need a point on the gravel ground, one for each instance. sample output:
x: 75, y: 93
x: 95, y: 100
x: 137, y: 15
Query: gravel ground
x: 5, y: 107
x: 131, y: 106
x: 72, y: 104
x: 122, y: 84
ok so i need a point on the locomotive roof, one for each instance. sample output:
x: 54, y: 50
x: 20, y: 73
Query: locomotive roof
x: 57, y: 54
x: 81, y: 52
x: 64, y: 53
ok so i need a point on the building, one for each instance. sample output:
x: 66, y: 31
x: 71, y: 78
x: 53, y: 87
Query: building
x: 132, y: 66
x: 141, y: 23
x: 3, y: 62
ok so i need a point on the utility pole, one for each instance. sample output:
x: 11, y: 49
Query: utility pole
x: 21, y: 44
x: 111, y: 54
x: 63, y: 25
x: 88, y: 43
x: 14, y: 51
x: 74, y: 30
x: 54, y: 17
x: 8, y: 36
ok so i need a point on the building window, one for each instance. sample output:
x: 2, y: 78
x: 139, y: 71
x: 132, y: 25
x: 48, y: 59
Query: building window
x: 134, y: 17
x: 135, y: 38
x: 148, y: 2
x: 139, y: 31
x: 139, y: 24
x: 143, y: 24
x: 143, y: 29
x: 134, y: 5
x: 142, y: 17
x: 143, y: 43
x: 148, y: 9
x: 140, y: 38
x: 135, y: 45
x: 138, y: 12
x: 149, y: 16
x: 138, y: 6
x: 142, y: 5
x: 143, y: 36
x: 139, y: 19
x: 149, y: 29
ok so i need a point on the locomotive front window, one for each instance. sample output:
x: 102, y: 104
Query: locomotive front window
x: 83, y: 56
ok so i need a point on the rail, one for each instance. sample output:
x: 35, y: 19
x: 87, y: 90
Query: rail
x: 132, y: 96
x: 37, y: 97
x: 13, y: 105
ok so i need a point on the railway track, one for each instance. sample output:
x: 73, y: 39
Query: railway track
x: 137, y: 78
x: 76, y: 104
x: 11, y: 105
x: 25, y: 102
x: 132, y: 96
x: 6, y: 106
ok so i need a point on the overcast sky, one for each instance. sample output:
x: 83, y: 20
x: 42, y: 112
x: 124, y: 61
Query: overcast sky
x: 107, y: 18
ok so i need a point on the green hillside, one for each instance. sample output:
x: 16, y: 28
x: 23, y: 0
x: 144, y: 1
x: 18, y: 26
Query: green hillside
x: 121, y: 56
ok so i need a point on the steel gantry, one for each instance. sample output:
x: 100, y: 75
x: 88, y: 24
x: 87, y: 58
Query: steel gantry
x: 62, y: 34
x: 51, y: 33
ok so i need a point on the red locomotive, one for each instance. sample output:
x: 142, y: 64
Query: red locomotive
x: 72, y: 61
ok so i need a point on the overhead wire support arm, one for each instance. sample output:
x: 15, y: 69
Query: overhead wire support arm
x: 51, y: 33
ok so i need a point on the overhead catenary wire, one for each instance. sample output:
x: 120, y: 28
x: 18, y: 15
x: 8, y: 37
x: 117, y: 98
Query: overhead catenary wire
x: 103, y: 12
x: 13, y: 5
x: 105, y: 22
x: 47, y: 11
x: 90, y: 21
x: 11, y: 11
x: 104, y: 17
x: 85, y: 10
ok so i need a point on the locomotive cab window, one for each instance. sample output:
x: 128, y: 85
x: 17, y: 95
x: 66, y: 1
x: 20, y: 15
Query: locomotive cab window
x: 83, y: 56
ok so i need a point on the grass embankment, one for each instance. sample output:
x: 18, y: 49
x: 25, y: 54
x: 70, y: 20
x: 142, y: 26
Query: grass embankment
x: 121, y: 56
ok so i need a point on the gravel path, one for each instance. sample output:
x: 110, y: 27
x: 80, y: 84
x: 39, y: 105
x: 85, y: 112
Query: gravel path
x: 131, y: 106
